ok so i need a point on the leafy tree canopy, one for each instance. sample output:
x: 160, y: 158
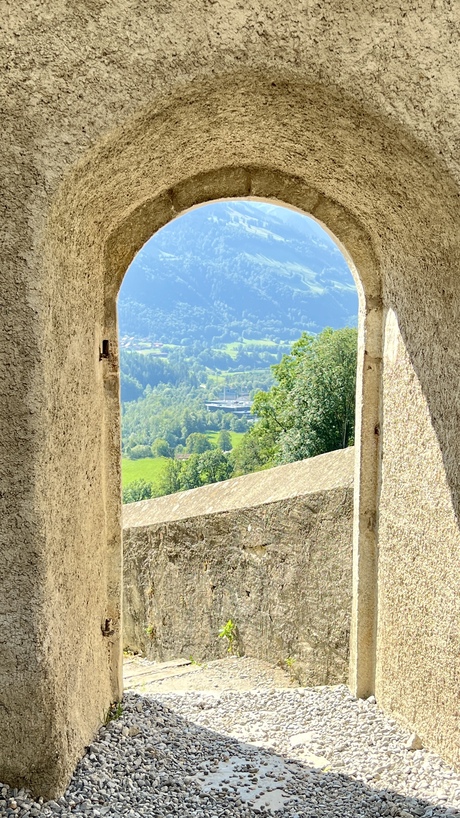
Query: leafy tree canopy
x: 140, y: 451
x: 224, y: 440
x: 161, y: 448
x: 310, y: 409
x: 137, y: 490
x: 197, y: 443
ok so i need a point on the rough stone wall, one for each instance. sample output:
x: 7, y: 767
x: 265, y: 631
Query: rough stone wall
x: 279, y: 568
x: 116, y: 116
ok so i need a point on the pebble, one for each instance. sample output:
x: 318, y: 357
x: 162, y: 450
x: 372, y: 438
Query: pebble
x: 296, y: 753
x: 414, y: 742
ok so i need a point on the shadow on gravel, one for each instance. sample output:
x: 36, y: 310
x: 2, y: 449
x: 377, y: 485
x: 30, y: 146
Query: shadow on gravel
x: 152, y: 762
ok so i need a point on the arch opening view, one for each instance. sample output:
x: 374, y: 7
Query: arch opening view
x: 210, y: 303
x: 238, y: 343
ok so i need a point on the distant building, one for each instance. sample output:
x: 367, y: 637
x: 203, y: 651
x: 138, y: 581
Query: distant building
x: 238, y: 406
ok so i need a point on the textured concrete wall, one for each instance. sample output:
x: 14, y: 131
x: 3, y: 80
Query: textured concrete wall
x: 418, y: 660
x: 272, y: 551
x: 117, y: 116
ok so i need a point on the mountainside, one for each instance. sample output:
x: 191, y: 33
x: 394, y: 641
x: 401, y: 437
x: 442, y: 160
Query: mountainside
x: 235, y: 270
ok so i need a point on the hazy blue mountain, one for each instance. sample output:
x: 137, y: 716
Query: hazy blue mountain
x: 237, y: 269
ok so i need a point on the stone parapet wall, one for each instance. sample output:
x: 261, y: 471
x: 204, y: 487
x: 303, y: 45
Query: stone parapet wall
x: 272, y: 551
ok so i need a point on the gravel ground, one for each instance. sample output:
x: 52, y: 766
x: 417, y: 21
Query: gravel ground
x: 294, y: 752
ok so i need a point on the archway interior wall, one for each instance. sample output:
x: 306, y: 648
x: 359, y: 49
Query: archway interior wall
x: 385, y: 199
x: 417, y: 659
x: 274, y: 185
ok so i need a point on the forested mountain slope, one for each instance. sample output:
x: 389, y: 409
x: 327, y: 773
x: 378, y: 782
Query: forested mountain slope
x: 235, y: 270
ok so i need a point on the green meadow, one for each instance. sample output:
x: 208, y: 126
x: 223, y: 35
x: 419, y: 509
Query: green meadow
x: 233, y: 347
x: 146, y: 468
x: 235, y: 437
x: 152, y: 468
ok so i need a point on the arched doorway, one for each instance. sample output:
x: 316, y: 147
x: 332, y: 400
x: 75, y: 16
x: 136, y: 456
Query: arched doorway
x: 231, y: 137
x: 114, y: 209
x: 363, y: 638
x: 230, y: 270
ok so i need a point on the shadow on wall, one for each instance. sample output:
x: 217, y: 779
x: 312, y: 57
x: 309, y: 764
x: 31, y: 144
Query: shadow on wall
x: 419, y: 538
x: 425, y: 346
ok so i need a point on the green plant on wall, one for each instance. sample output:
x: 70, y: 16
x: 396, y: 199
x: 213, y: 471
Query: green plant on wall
x: 290, y: 664
x: 229, y: 632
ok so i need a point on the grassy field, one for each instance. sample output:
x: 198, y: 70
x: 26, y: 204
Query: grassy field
x: 146, y: 468
x: 231, y: 348
x: 235, y: 437
x: 158, y: 350
x: 152, y: 468
x: 230, y: 378
x: 265, y: 344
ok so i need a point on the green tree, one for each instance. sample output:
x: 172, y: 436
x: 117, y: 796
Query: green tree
x: 320, y: 414
x: 311, y: 407
x: 209, y: 467
x: 197, y: 443
x: 136, y: 452
x: 161, y: 448
x: 255, y: 451
x: 170, y: 479
x: 238, y: 424
x: 137, y: 490
x: 214, y: 466
x: 130, y: 388
x: 224, y: 440
x: 190, y: 475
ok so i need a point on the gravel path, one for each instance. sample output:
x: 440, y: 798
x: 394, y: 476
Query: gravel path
x: 294, y: 752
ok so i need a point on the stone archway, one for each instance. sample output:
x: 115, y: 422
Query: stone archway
x: 395, y: 209
x: 278, y: 188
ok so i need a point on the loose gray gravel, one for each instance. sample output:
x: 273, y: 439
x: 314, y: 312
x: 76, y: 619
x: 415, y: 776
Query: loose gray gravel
x: 299, y: 753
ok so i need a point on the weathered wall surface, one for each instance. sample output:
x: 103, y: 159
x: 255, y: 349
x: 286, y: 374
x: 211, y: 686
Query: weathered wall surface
x: 117, y: 116
x: 418, y: 658
x: 272, y: 551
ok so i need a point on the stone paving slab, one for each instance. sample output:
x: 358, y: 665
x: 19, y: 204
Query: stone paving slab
x: 138, y: 675
x: 181, y: 675
x: 133, y: 668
